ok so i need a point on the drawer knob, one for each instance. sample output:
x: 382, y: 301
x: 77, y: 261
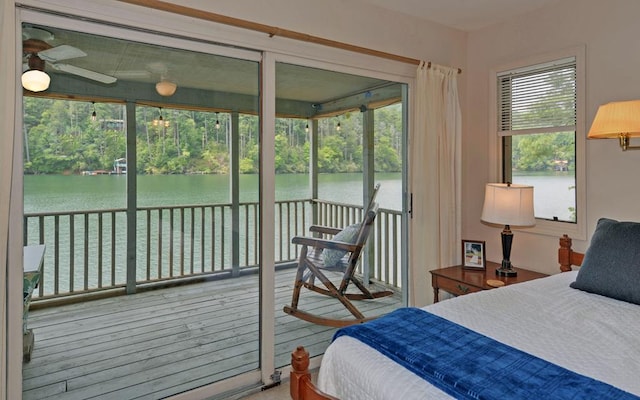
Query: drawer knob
x: 463, y: 289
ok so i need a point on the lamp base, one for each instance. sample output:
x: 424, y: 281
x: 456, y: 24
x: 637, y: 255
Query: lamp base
x: 506, y: 270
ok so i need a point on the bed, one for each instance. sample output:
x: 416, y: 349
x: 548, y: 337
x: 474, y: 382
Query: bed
x: 584, y: 321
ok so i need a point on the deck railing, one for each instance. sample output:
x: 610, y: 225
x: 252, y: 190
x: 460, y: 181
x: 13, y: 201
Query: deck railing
x: 87, y: 250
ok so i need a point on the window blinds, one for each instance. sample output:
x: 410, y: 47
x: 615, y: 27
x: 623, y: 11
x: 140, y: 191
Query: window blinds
x: 538, y: 99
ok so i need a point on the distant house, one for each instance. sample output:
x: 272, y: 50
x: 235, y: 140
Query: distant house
x: 119, y: 166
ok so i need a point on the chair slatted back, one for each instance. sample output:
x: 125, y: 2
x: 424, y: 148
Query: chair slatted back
x: 365, y: 228
x: 363, y: 233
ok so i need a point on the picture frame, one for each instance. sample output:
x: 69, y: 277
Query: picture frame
x: 474, y: 254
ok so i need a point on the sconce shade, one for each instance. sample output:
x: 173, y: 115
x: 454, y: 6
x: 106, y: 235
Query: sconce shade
x: 166, y: 88
x: 508, y: 204
x: 35, y: 80
x: 615, y: 119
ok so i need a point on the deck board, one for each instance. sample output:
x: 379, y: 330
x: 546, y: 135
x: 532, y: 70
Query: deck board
x: 162, y: 342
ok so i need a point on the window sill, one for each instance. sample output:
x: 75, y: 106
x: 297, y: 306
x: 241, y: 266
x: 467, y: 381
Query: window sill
x: 558, y: 228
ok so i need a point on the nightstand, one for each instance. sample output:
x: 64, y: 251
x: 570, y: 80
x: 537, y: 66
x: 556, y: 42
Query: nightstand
x: 458, y: 281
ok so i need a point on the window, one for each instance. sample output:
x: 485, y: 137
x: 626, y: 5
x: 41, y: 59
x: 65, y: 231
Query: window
x: 538, y: 120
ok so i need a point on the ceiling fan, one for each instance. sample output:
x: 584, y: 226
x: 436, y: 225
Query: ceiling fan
x: 165, y: 87
x: 38, y: 53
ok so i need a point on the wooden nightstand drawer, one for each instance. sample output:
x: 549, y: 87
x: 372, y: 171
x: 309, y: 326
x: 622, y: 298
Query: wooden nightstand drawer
x: 454, y: 287
x: 460, y: 281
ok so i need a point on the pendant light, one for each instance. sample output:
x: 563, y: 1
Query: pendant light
x: 166, y: 88
x: 94, y: 116
x: 35, y: 79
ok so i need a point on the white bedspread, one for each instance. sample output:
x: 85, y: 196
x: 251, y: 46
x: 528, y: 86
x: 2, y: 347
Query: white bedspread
x: 593, y: 335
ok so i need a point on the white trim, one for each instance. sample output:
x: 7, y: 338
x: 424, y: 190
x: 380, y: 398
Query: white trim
x: 576, y: 230
x: 228, y: 385
x: 11, y: 220
x: 267, y: 216
x: 128, y: 34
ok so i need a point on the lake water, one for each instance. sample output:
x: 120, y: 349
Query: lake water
x: 45, y: 193
x: 553, y: 195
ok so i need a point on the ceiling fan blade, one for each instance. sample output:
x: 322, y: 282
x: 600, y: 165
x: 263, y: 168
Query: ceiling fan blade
x: 133, y: 74
x: 63, y: 52
x: 85, y: 73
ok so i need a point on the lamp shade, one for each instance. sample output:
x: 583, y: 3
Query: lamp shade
x: 35, y: 80
x: 614, y: 119
x: 166, y: 88
x: 508, y: 204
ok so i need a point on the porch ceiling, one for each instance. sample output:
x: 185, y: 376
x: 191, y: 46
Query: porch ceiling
x: 203, y: 80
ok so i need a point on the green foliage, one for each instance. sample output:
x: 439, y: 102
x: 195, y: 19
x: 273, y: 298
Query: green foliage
x: 62, y: 138
x: 544, y: 152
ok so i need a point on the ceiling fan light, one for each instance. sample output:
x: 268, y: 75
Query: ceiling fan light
x: 35, y: 80
x: 166, y: 88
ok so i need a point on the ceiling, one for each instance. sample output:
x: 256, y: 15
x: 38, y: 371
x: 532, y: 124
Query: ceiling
x: 466, y: 15
x: 205, y: 80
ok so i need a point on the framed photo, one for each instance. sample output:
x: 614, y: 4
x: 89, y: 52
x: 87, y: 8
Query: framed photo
x: 473, y: 254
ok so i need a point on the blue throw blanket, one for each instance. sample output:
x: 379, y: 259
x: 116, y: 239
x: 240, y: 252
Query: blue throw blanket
x: 468, y: 365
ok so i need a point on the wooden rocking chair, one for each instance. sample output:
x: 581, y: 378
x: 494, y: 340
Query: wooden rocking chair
x: 313, y: 260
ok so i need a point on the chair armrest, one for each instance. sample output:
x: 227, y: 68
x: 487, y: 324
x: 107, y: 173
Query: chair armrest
x: 323, y: 243
x: 324, y: 229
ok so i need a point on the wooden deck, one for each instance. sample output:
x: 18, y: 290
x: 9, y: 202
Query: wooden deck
x: 162, y: 342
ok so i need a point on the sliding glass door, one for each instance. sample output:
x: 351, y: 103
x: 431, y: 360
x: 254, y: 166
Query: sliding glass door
x: 141, y: 178
x: 337, y: 136
x: 175, y: 174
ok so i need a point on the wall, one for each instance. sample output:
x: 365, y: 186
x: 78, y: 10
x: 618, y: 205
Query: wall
x: 610, y: 32
x: 351, y: 22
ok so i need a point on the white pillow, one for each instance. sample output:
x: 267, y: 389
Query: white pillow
x: 348, y: 235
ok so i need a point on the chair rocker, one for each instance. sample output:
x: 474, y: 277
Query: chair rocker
x: 311, y: 265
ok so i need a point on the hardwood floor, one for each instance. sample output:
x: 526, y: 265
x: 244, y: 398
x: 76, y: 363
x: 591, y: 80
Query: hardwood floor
x: 158, y: 343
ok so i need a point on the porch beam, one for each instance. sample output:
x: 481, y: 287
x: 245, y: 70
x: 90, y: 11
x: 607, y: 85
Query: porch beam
x: 313, y: 168
x: 132, y: 199
x: 234, y: 185
x: 370, y: 99
x: 368, y: 183
x: 66, y: 87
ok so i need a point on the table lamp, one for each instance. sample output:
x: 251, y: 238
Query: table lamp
x: 508, y: 204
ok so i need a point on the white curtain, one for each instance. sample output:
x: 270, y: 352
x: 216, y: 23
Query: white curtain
x: 435, y: 178
x: 10, y: 214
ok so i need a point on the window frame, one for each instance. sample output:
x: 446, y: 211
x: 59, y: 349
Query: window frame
x: 576, y: 230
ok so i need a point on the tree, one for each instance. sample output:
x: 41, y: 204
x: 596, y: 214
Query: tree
x: 61, y: 137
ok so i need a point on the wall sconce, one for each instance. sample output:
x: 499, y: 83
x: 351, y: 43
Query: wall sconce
x: 217, y: 122
x: 620, y: 119
x: 35, y: 79
x: 508, y: 204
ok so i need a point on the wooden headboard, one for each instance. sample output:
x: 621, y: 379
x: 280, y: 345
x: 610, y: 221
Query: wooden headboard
x: 566, y: 256
x: 301, y: 386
